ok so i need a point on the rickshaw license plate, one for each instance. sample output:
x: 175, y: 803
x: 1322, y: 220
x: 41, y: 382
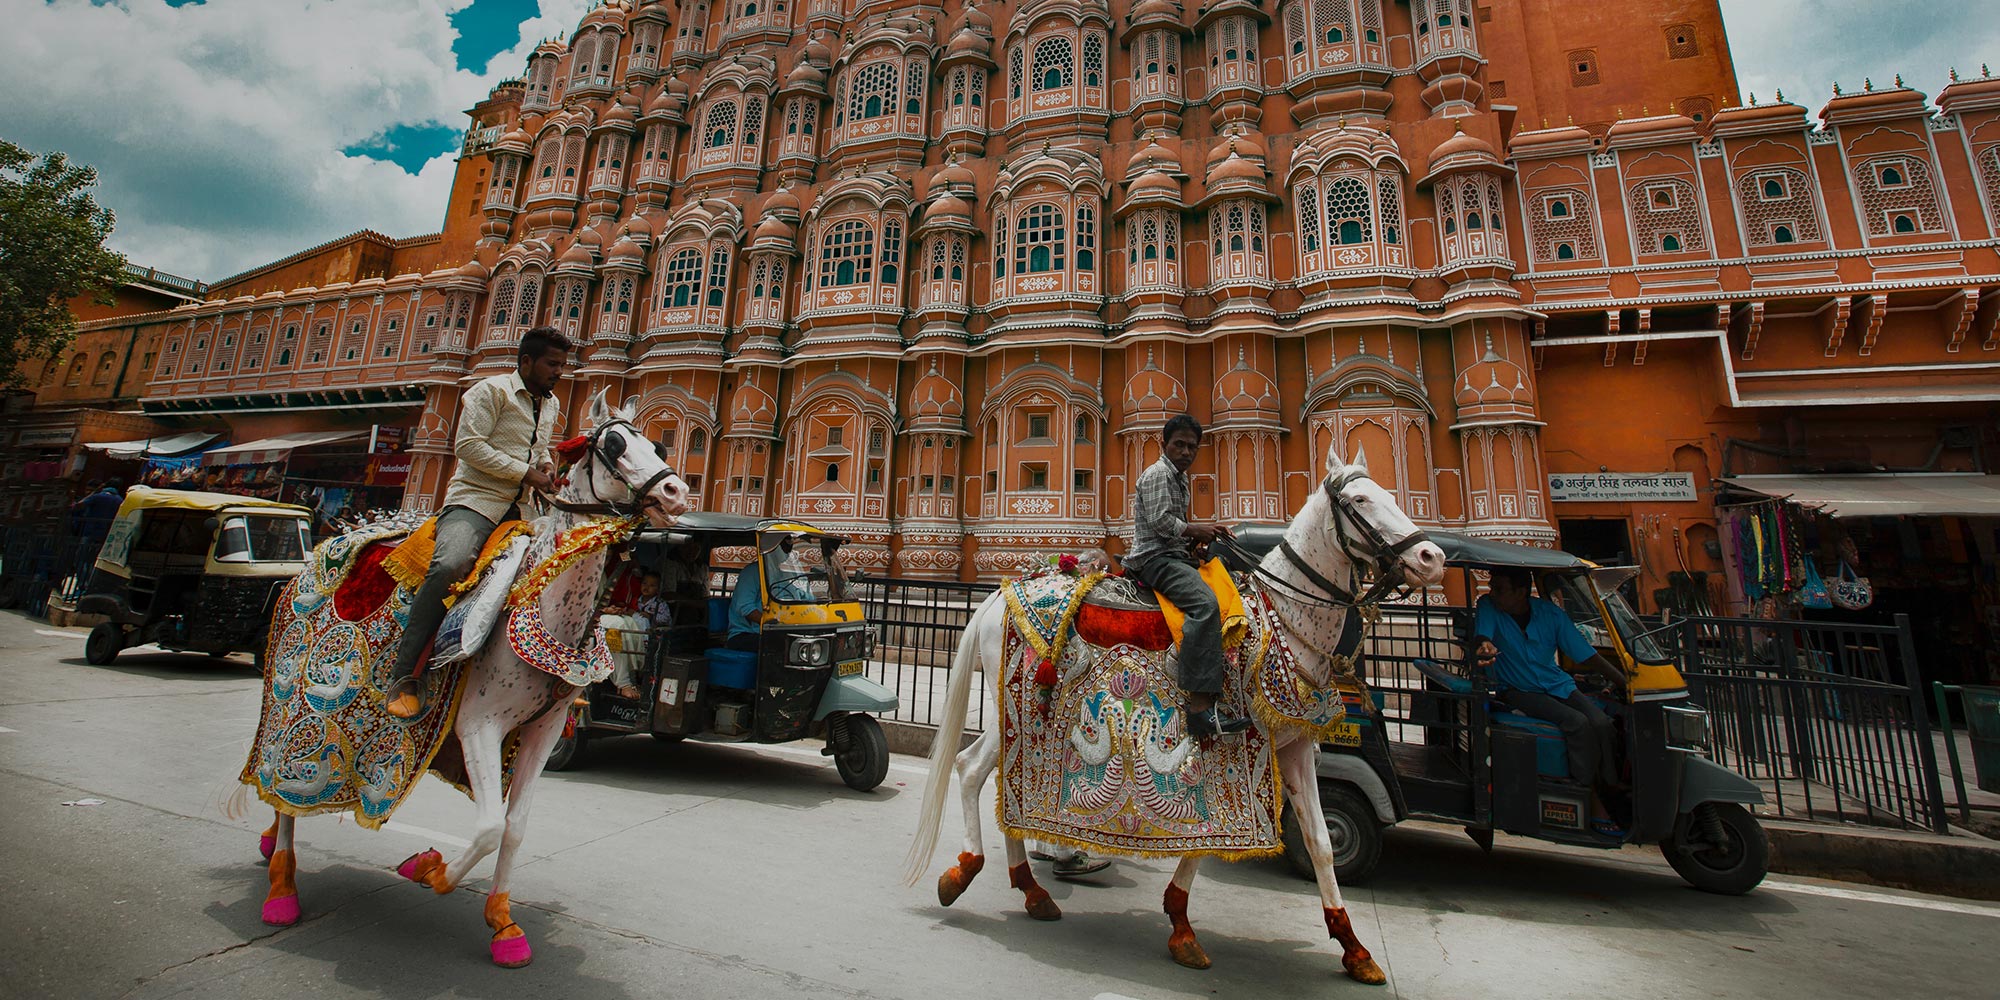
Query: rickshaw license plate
x: 1563, y: 813
x: 1347, y: 734
x: 851, y: 668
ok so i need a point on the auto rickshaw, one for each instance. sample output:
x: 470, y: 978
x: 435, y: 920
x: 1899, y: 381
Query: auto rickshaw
x: 1431, y: 742
x: 805, y: 676
x: 192, y: 571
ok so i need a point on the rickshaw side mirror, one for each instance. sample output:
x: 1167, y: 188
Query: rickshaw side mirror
x: 212, y: 523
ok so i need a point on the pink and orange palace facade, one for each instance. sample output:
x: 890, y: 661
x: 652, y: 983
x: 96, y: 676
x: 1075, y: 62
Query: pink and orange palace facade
x: 935, y: 275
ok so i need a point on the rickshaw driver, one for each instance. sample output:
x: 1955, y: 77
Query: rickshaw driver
x: 1517, y: 636
x: 506, y: 425
x: 1162, y: 558
x: 746, y: 603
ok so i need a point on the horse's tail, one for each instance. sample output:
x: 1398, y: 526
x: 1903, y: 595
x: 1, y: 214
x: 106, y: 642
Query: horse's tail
x: 957, y: 696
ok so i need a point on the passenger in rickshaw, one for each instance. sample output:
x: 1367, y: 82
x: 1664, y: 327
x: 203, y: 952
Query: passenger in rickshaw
x: 1516, y: 637
x: 746, y: 603
x: 650, y: 611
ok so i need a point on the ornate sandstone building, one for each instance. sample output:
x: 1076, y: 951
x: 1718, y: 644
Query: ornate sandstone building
x: 935, y: 275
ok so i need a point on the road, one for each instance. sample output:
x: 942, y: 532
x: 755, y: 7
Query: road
x: 713, y: 871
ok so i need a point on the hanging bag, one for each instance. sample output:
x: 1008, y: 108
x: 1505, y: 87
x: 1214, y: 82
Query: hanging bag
x: 1851, y: 590
x: 1813, y: 591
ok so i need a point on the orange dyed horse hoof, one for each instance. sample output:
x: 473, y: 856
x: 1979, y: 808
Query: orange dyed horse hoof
x: 1354, y: 957
x: 952, y: 883
x: 1187, y: 951
x: 1361, y: 968
x: 425, y: 868
x: 1040, y: 906
x: 281, y: 905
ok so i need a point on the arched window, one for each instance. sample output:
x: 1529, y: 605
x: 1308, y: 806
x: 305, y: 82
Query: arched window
x: 1093, y: 59
x: 1904, y: 223
x: 1892, y: 177
x: 1558, y: 209
x: 1309, y: 219
x: 1774, y: 188
x: 1389, y: 196
x: 1670, y: 243
x: 1781, y: 234
x: 1041, y: 240
x: 1055, y: 67
x: 874, y: 91
x: 1472, y: 221
x: 892, y: 251
x: 1086, y: 238
x: 718, y: 275
x: 1564, y: 251
x: 682, y: 278
x: 721, y: 126
x: 1347, y: 210
x: 847, y: 254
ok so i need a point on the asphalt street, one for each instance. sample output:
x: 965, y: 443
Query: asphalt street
x: 703, y: 871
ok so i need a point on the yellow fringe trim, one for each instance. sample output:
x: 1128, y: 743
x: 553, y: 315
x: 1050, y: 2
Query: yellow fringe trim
x: 1050, y: 650
x: 571, y: 546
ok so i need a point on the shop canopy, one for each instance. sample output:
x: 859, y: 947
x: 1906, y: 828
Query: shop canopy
x: 1886, y: 495
x: 154, y: 447
x: 277, y: 449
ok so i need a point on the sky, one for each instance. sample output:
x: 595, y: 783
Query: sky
x: 230, y: 133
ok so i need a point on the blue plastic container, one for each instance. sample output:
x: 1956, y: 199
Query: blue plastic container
x: 718, y: 614
x: 732, y: 668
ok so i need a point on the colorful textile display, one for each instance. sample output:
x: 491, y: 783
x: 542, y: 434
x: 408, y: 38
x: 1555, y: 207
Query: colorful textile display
x: 1093, y: 750
x: 531, y: 640
x: 324, y: 744
x: 412, y: 559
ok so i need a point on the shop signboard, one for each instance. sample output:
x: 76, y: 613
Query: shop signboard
x: 389, y: 470
x: 1621, y: 487
x: 387, y: 440
x: 47, y: 437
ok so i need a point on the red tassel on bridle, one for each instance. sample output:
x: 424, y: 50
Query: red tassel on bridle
x: 573, y: 449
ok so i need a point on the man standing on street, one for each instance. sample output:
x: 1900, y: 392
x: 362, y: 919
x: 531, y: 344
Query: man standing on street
x: 503, y: 441
x: 1162, y: 558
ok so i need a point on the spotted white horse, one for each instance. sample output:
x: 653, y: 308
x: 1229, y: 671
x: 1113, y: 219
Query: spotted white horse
x: 1349, y: 522
x: 618, y: 474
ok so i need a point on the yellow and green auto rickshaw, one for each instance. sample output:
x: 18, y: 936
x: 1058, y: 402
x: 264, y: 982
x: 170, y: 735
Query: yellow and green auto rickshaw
x: 192, y: 571
x: 1433, y: 742
x: 801, y: 671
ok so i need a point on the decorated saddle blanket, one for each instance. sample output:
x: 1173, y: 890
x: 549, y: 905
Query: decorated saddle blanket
x: 411, y: 558
x: 324, y: 743
x: 1094, y: 749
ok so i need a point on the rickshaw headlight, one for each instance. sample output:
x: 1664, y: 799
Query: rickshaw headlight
x: 868, y: 643
x: 1687, y: 727
x: 809, y: 650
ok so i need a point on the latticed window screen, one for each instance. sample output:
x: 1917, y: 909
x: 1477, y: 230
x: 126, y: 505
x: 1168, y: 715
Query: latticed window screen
x: 937, y: 260
x: 847, y: 254
x: 1308, y: 208
x: 1086, y: 238
x: 960, y: 86
x: 1093, y: 59
x: 1054, y: 65
x: 1041, y: 242
x: 1347, y: 215
x: 682, y: 278
x: 958, y: 258
x: 1389, y: 196
x: 531, y: 298
x: 1014, y: 73
x: 503, y: 303
x: 721, y: 125
x: 874, y: 91
x: 1894, y: 187
x: 1989, y: 175
x: 892, y: 251
x: 753, y: 119
x: 1666, y: 217
x: 1777, y: 206
x: 913, y: 86
x: 1560, y: 218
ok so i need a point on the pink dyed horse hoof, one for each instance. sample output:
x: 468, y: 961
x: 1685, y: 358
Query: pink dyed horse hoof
x: 268, y: 841
x: 510, y: 944
x: 425, y: 868
x: 281, y: 904
x: 512, y: 953
x: 281, y: 912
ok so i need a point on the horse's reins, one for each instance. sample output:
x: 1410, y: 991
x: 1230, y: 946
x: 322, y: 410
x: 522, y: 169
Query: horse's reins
x: 595, y: 450
x: 1379, y: 551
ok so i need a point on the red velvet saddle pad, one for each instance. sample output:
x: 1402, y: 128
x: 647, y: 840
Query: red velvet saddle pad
x: 1106, y: 627
x: 367, y: 584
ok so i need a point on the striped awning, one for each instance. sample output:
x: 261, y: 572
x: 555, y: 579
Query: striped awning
x: 165, y: 446
x: 276, y: 449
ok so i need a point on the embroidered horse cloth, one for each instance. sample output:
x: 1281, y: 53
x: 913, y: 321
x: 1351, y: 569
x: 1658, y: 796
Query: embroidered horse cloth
x: 324, y: 742
x: 1093, y: 746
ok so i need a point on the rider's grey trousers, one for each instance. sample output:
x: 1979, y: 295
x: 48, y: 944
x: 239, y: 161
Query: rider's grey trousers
x: 461, y: 531
x: 1201, y: 634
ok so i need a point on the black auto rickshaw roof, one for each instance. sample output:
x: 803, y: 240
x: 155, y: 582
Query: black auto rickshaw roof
x: 1257, y: 540
x: 716, y: 528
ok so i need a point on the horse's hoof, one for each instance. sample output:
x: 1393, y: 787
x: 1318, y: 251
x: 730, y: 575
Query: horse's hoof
x: 1187, y: 951
x: 1041, y: 907
x: 266, y: 844
x: 282, y: 911
x: 1362, y: 969
x: 424, y: 868
x: 513, y: 952
x: 953, y: 882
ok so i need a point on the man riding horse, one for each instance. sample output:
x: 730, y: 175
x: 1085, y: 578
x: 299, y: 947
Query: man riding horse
x: 1162, y: 558
x: 506, y: 426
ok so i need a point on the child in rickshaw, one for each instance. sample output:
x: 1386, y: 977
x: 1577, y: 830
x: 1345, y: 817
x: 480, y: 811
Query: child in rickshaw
x: 649, y: 610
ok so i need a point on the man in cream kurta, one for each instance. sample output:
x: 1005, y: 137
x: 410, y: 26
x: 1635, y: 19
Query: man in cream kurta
x: 505, y: 429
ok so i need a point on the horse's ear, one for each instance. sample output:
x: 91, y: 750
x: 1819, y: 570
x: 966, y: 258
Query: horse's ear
x: 600, y: 408
x: 1335, y: 461
x: 1360, y: 458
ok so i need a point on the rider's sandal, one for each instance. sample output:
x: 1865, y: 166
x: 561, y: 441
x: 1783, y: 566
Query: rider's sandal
x: 404, y: 698
x: 1608, y: 828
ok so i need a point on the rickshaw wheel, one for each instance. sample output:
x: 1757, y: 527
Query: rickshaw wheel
x: 864, y: 762
x: 1351, y: 826
x: 103, y: 644
x: 568, y: 753
x: 1731, y: 867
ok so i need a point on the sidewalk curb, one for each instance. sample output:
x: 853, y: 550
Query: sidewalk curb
x: 1947, y: 866
x: 1965, y: 867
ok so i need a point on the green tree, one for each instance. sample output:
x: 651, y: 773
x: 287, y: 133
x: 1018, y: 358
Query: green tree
x: 52, y: 250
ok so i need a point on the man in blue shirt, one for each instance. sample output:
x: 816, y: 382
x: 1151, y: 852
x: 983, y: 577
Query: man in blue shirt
x: 746, y: 604
x: 1517, y: 636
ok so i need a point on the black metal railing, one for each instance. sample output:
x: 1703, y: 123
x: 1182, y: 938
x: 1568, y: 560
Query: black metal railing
x: 1830, y: 719
x: 920, y: 623
x: 47, y: 562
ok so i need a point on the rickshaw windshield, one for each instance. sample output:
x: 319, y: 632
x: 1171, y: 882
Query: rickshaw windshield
x: 1581, y: 598
x: 253, y: 538
x: 808, y: 571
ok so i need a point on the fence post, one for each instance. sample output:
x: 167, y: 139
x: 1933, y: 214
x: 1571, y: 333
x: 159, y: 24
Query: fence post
x: 1913, y: 676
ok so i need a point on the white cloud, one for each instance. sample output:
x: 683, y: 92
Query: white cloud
x: 1804, y: 46
x: 218, y: 129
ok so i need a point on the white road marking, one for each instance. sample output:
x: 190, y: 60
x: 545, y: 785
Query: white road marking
x: 1862, y: 896
x: 4, y: 729
x: 60, y: 634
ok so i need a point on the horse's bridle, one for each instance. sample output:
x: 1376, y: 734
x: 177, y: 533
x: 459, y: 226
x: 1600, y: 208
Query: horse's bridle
x: 1384, y: 555
x: 597, y: 450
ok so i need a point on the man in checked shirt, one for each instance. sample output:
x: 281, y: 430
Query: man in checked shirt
x: 503, y: 442
x: 1162, y: 557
